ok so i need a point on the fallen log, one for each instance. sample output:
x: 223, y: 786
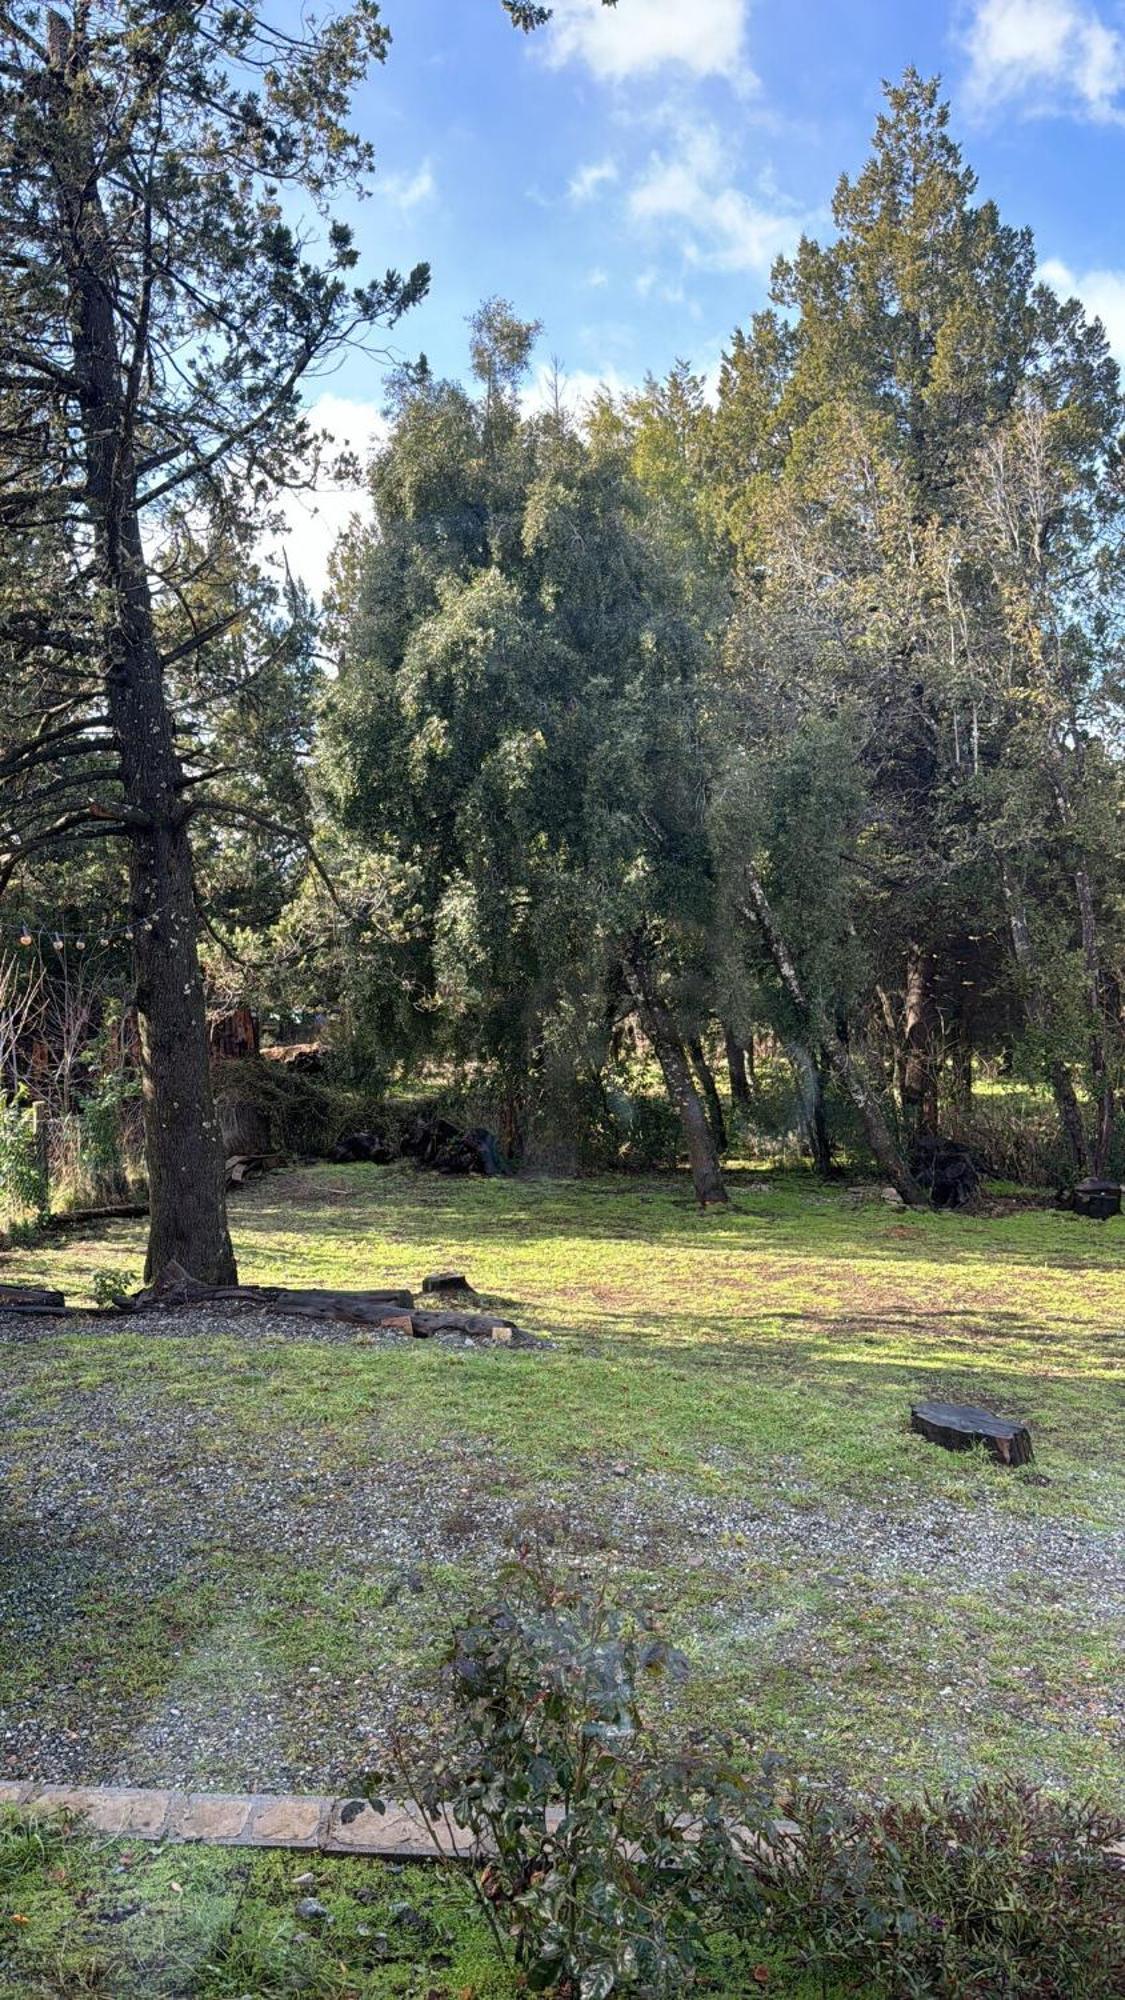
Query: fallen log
x: 476, y: 1325
x: 31, y: 1299
x: 392, y: 1310
x: 173, y: 1286
x: 359, y: 1308
x: 958, y: 1426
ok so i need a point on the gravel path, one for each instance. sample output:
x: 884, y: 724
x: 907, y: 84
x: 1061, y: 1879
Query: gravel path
x: 293, y: 1586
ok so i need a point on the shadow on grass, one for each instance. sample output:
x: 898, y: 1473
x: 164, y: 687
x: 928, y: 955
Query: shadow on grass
x: 802, y: 1218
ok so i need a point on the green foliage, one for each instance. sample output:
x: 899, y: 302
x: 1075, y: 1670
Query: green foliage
x: 618, y: 1866
x: 107, y: 1287
x: 103, y: 1122
x: 1001, y: 1891
x: 307, y: 1114
x: 609, y: 1862
x: 514, y: 722
x: 24, y: 1186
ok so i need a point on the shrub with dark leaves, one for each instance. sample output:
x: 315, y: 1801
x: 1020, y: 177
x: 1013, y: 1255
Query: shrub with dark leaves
x: 1003, y: 1892
x: 610, y: 1865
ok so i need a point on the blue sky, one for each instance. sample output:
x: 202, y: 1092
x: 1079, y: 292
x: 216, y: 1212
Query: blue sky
x: 628, y: 176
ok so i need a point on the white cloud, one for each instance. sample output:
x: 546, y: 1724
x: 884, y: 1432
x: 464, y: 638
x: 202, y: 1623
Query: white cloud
x: 408, y: 190
x: 650, y: 286
x: 706, y: 37
x: 719, y: 226
x: 597, y: 279
x: 1050, y: 54
x: 1102, y: 293
x: 585, y: 183
x: 315, y: 521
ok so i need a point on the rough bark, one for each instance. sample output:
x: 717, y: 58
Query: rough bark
x: 739, y: 1069
x: 182, y: 1144
x: 920, y: 1064
x: 660, y: 1028
x: 844, y: 1064
x: 705, y: 1078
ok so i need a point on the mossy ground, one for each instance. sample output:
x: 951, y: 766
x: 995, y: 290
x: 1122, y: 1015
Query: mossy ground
x: 756, y: 1360
x: 121, y: 1920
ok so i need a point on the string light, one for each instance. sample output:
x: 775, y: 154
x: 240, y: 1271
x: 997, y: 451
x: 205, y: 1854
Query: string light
x: 26, y: 935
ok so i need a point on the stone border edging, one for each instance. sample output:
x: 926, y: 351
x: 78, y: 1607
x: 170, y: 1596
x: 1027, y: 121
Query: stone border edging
x: 271, y: 1819
x: 242, y: 1819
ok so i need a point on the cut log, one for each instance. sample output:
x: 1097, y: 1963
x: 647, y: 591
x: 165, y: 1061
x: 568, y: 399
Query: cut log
x: 30, y: 1298
x: 958, y: 1426
x: 358, y: 1308
x: 478, y: 1325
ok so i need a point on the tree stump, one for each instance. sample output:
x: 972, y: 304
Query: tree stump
x: 446, y: 1281
x: 958, y: 1426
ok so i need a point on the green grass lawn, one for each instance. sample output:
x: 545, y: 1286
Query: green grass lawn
x: 130, y: 1922
x: 230, y: 1561
x: 126, y: 1921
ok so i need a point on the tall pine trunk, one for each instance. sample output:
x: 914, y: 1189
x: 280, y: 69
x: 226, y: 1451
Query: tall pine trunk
x: 183, y: 1150
x: 661, y: 1030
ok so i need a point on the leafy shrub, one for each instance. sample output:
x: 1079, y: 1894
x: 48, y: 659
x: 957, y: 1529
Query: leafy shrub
x: 618, y: 1867
x: 1002, y: 1892
x: 107, y: 1134
x: 108, y: 1286
x: 612, y: 1864
x: 24, y: 1187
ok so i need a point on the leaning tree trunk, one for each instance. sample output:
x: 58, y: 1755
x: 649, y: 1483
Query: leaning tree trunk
x: 845, y: 1066
x: 705, y: 1078
x: 182, y: 1146
x: 661, y: 1030
x: 739, y: 1069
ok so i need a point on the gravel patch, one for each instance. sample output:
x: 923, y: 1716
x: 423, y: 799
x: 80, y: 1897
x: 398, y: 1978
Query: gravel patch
x: 296, y: 1584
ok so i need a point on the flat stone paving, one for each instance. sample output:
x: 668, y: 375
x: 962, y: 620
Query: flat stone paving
x: 236, y: 1819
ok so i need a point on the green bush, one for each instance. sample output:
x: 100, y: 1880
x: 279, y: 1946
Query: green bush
x: 622, y: 1888
x: 1004, y: 1891
x: 618, y: 1866
x: 24, y: 1187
